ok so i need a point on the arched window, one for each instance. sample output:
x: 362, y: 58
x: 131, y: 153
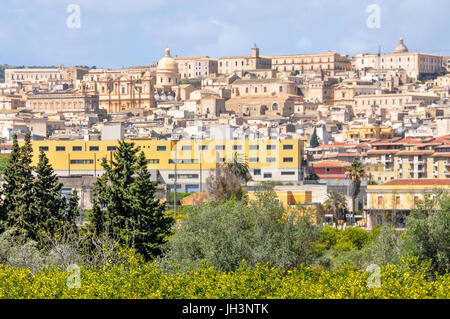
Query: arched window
x: 275, y: 107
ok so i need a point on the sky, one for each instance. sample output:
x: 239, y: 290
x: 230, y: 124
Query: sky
x: 123, y: 33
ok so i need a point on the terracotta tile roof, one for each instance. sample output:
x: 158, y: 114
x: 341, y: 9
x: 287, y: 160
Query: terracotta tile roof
x: 409, y: 141
x: 378, y: 152
x: 409, y: 153
x: 441, y: 154
x: 422, y: 181
x: 331, y: 164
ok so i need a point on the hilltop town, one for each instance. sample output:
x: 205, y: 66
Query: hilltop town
x: 300, y: 120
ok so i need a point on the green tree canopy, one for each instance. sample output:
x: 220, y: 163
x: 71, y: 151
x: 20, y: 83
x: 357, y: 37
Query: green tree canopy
x: 126, y: 207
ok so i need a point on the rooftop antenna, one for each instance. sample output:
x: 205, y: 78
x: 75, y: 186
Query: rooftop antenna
x: 379, y: 70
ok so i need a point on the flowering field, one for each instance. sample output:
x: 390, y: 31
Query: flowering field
x: 140, y: 280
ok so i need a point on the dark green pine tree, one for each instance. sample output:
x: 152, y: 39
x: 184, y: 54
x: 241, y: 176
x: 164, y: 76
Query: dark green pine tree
x: 48, y: 208
x: 314, y: 141
x: 131, y: 211
x: 12, y: 182
x: 113, y: 189
x: 151, y: 225
x: 97, y: 220
x: 21, y: 195
x: 73, y: 209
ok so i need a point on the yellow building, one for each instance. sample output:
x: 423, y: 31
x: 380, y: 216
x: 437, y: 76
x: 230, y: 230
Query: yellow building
x: 293, y: 199
x: 364, y: 133
x: 268, y: 160
x: 394, y: 200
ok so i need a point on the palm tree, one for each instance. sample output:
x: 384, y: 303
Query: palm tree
x: 239, y: 167
x: 336, y: 204
x: 356, y: 173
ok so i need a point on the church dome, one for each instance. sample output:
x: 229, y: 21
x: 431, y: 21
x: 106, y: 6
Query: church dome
x: 167, y: 63
x: 401, y: 47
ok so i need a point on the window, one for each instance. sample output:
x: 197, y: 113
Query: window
x: 60, y: 148
x: 397, y: 200
x: 289, y: 173
x: 253, y: 160
x: 153, y: 161
x: 186, y: 148
x: 161, y: 148
x: 253, y: 147
x: 123, y: 90
x: 416, y: 199
x: 267, y: 175
x: 220, y: 147
x: 93, y: 148
x: 203, y: 147
x: 271, y: 147
x: 237, y: 147
x: 257, y: 171
x: 274, y: 107
x: 184, y: 161
x: 183, y: 176
x: 380, y: 200
x: 81, y: 162
x: 192, y: 188
x: 43, y: 148
x: 270, y: 160
x: 111, y: 148
x: 77, y: 148
x: 288, y: 160
x: 288, y: 147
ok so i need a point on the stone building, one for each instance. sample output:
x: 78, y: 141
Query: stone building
x: 232, y: 64
x: 328, y: 63
x: 418, y: 65
x: 62, y: 102
x: 197, y: 67
x: 119, y: 90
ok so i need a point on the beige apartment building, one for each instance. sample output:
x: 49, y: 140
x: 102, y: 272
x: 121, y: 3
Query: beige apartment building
x: 409, y: 159
x: 38, y: 75
x: 11, y: 102
x: 393, y: 102
x: 417, y: 65
x: 345, y: 92
x: 197, y: 67
x: 231, y: 64
x: 329, y: 63
x: 62, y: 102
x: 261, y: 97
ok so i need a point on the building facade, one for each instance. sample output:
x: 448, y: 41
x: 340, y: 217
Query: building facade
x: 268, y: 160
x: 197, y: 67
x: 329, y: 63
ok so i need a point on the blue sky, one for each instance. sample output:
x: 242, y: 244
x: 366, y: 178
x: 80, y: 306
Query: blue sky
x: 122, y: 33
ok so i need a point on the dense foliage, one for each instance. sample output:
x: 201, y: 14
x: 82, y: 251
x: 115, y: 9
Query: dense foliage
x: 135, y: 279
x: 226, y: 233
x: 229, y: 247
x: 131, y: 214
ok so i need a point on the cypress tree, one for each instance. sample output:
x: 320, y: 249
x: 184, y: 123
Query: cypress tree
x: 73, y: 209
x: 131, y: 211
x: 48, y: 208
x: 12, y: 181
x: 314, y: 142
x: 152, y: 226
x: 21, y: 192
